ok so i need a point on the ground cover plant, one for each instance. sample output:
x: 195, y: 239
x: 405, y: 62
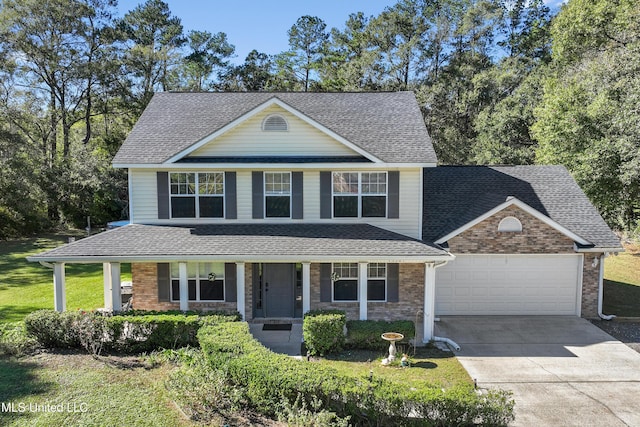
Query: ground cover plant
x: 90, y: 391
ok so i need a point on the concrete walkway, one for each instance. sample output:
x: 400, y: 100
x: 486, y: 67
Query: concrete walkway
x: 563, y: 371
x: 284, y: 342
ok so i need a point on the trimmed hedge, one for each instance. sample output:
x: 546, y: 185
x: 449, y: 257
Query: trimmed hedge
x: 323, y: 331
x: 128, y: 333
x: 365, y: 334
x: 269, y: 379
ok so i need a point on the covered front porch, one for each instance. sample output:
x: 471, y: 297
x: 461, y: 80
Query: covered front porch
x: 263, y: 271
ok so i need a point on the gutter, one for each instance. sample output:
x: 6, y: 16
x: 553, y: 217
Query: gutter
x: 600, y: 259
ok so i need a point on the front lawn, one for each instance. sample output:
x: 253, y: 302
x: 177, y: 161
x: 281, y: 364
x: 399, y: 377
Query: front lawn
x: 429, y: 367
x: 27, y: 286
x: 90, y: 392
x: 622, y: 283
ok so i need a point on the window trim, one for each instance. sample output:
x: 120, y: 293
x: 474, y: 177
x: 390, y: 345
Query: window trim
x: 510, y: 224
x: 385, y: 278
x: 333, y: 283
x: 197, y: 279
x: 264, y: 123
x: 360, y: 195
x: 265, y: 195
x: 197, y: 195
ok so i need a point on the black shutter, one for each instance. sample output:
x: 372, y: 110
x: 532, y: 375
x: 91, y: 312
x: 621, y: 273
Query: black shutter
x: 163, y: 195
x: 257, y: 191
x: 393, y: 195
x: 164, y: 282
x: 393, y: 291
x: 325, y: 282
x: 231, y: 204
x: 297, y: 203
x: 230, y: 280
x: 325, y: 194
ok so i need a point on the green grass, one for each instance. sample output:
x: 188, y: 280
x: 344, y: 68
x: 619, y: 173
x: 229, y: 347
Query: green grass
x: 622, y: 283
x: 429, y: 367
x: 27, y: 286
x: 105, y: 392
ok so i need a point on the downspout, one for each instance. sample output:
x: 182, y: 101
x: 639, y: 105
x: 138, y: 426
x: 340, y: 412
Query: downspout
x: 46, y: 264
x: 600, y: 289
x: 444, y: 339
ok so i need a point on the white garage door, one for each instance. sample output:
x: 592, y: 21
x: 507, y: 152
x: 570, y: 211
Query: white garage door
x: 508, y: 284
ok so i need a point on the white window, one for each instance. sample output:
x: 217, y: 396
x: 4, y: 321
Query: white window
x: 197, y: 195
x: 345, y: 281
x: 377, y: 282
x: 359, y: 194
x: 205, y: 281
x: 510, y: 224
x: 277, y: 194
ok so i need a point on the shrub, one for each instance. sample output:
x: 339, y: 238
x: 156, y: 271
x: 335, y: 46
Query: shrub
x: 276, y: 384
x: 53, y: 329
x: 129, y: 333
x: 323, y: 331
x: 204, y: 394
x: 14, y: 340
x: 365, y: 334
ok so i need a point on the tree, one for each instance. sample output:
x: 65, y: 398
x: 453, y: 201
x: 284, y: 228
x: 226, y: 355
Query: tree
x: 207, y: 53
x: 152, y: 38
x: 255, y: 74
x: 307, y: 42
x: 586, y: 120
x: 348, y: 63
x: 398, y: 36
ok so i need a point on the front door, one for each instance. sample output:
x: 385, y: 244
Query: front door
x: 278, y: 287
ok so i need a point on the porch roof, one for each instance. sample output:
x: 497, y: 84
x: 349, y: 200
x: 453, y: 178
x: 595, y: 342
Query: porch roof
x: 246, y: 242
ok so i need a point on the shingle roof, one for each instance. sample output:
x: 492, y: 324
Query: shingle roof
x: 455, y: 195
x: 388, y: 125
x: 244, y: 241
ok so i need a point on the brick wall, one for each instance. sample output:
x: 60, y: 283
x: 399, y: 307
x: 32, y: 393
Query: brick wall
x: 590, y: 276
x: 145, y: 292
x: 536, y: 237
x: 410, y: 301
x: 144, y: 277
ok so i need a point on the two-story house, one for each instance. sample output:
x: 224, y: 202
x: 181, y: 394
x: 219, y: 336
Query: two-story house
x: 274, y: 204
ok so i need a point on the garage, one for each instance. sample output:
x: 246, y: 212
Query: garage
x: 509, y: 284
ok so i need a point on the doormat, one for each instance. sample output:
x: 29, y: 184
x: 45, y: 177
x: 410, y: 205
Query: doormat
x: 276, y: 327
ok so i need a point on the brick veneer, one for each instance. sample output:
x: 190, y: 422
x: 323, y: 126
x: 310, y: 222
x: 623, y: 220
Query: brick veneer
x: 144, y: 277
x: 536, y: 238
x: 590, y: 276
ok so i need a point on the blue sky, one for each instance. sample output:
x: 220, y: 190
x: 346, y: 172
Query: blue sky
x: 260, y: 24
x: 263, y: 25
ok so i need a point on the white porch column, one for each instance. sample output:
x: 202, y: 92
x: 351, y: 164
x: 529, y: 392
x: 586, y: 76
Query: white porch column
x: 362, y: 289
x: 114, y: 275
x: 59, y: 292
x: 306, y: 287
x: 240, y: 288
x: 429, y: 300
x: 184, y: 286
x: 106, y: 275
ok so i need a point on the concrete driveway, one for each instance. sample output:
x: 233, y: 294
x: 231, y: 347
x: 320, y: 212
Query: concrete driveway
x: 563, y: 371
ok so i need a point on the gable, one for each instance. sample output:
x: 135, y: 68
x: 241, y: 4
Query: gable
x: 536, y: 236
x: 384, y: 127
x: 250, y: 140
x: 511, y: 203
